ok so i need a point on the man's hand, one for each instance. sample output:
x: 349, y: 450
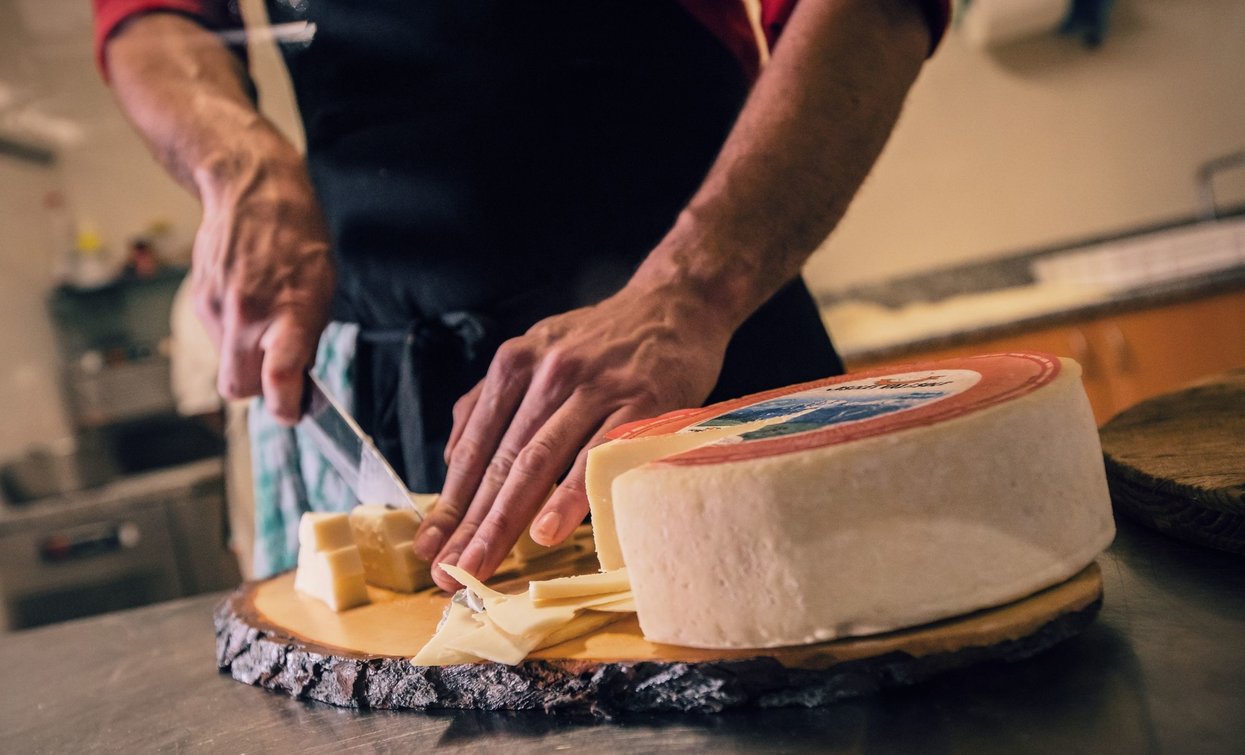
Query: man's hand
x: 805, y: 140
x: 263, y: 276
x: 550, y: 396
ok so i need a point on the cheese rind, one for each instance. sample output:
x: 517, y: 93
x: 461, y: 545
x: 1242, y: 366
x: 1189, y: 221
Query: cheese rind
x: 875, y: 530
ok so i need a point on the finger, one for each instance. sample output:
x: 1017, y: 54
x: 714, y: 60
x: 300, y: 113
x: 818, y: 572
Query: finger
x: 207, y: 310
x: 462, y: 411
x: 240, y: 354
x: 503, y: 389
x: 567, y: 507
x: 288, y: 348
x: 536, y: 468
x: 552, y: 383
x: 538, y: 406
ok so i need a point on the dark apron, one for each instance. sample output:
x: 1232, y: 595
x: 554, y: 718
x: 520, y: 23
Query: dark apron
x: 484, y: 164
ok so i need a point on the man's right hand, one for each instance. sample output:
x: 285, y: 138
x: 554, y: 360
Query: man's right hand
x: 262, y: 270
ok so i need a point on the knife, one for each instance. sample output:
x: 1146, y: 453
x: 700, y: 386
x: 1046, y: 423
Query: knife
x: 351, y: 452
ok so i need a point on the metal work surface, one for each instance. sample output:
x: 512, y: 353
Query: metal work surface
x: 1162, y: 670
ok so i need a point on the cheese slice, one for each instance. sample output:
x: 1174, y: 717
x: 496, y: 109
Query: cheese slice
x: 580, y: 585
x: 512, y: 626
x: 625, y: 604
x: 327, y: 571
x: 863, y: 503
x: 384, y: 537
x: 457, y: 621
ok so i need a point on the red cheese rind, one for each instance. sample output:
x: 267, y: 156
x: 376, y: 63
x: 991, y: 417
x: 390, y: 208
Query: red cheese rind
x: 1004, y: 377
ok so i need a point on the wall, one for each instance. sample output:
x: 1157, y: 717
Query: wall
x: 1045, y: 142
x: 30, y: 405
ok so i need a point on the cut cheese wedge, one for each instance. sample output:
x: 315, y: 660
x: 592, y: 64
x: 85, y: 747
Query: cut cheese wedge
x: 862, y: 503
x: 327, y: 571
x: 384, y: 537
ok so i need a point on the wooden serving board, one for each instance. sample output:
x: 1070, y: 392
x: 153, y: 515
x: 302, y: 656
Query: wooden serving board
x: 269, y: 635
x: 1177, y: 462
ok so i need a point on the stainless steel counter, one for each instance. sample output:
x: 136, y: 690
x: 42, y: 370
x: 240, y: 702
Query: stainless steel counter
x: 1162, y: 670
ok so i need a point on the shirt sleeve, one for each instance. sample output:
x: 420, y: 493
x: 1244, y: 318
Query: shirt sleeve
x: 776, y: 13
x: 111, y: 14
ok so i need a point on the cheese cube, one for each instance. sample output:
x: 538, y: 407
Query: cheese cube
x: 323, y: 531
x: 384, y: 538
x: 329, y: 570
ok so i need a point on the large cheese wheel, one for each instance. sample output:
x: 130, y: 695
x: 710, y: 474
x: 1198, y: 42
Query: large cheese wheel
x: 855, y: 504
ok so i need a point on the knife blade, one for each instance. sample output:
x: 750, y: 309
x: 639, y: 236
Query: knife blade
x: 351, y: 451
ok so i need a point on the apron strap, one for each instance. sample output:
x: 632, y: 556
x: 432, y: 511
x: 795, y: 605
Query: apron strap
x: 437, y: 356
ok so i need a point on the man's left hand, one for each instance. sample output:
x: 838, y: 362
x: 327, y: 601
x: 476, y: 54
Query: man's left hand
x: 550, y: 396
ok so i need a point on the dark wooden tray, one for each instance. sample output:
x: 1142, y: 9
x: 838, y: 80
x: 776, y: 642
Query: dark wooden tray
x: 1177, y: 462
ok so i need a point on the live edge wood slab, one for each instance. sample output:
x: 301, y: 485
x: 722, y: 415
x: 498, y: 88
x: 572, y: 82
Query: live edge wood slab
x: 271, y: 636
x: 1177, y: 462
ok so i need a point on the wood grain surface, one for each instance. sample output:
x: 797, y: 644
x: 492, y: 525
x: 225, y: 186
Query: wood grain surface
x: 1177, y: 462
x: 271, y: 636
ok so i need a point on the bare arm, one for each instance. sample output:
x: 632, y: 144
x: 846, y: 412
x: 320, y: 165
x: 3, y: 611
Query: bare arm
x: 261, y: 267
x: 812, y: 128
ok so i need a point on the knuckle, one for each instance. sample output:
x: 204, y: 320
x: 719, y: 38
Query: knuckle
x: 248, y: 305
x: 560, y: 365
x: 206, y: 308
x: 512, y: 357
x: 499, y: 468
x: 462, y: 535
x: 493, y: 530
x: 573, y: 484
x: 447, y: 511
x: 467, y: 452
x: 280, y: 372
x: 536, y: 456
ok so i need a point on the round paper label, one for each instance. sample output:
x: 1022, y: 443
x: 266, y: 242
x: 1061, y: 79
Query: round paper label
x: 850, y: 407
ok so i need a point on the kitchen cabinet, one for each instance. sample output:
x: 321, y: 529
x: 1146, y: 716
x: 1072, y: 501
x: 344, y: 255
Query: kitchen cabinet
x: 1127, y: 356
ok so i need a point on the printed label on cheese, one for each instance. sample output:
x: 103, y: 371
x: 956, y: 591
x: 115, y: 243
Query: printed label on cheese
x: 843, y: 409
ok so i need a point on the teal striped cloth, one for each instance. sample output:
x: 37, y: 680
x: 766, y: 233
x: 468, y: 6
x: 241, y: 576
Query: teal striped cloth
x: 290, y: 476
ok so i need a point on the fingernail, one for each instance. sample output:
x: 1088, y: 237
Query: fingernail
x: 446, y: 580
x: 427, y: 544
x: 546, y: 528
x: 471, y: 559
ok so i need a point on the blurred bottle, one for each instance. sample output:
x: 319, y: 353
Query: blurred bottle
x: 64, y: 236
x: 92, y: 268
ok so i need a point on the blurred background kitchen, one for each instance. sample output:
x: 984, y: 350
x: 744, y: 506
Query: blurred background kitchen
x: 1067, y: 176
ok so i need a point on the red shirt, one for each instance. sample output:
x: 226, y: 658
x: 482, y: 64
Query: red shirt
x: 726, y: 19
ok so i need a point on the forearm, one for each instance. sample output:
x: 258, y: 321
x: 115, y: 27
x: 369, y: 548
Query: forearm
x: 805, y: 140
x: 261, y: 266
x: 186, y: 94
